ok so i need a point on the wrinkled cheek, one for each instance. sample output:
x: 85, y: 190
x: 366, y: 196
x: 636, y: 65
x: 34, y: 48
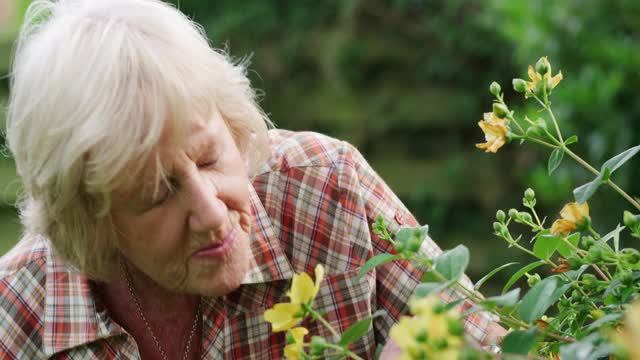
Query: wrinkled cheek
x: 245, y: 222
x: 176, y: 276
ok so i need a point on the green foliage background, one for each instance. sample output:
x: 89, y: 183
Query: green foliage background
x: 406, y: 81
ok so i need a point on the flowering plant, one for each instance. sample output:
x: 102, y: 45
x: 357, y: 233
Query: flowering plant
x: 585, y: 308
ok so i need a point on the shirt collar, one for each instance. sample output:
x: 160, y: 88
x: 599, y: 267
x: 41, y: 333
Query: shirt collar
x: 269, y: 262
x: 70, y: 315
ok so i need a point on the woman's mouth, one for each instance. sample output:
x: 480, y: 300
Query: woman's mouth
x: 220, y: 249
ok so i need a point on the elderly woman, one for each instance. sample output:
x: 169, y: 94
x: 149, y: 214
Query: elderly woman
x: 161, y: 215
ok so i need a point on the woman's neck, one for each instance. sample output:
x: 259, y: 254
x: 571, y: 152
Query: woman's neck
x: 170, y: 315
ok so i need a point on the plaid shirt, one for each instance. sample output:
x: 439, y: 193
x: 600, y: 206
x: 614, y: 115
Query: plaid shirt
x: 313, y: 202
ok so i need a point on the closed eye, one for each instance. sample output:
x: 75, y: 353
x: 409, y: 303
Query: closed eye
x: 207, y: 164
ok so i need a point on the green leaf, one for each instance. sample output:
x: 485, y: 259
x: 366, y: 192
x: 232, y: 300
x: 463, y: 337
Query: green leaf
x: 592, y: 347
x: 515, y: 277
x: 429, y: 276
x: 489, y: 275
x: 519, y: 341
x: 585, y: 192
x: 565, y: 249
x: 544, y: 294
x: 355, y: 331
x: 575, y: 274
x: 546, y: 245
x: 606, y: 175
x: 409, y: 239
x: 375, y: 261
x: 615, y: 162
x: 508, y: 299
x: 403, y: 236
x: 555, y: 159
x: 453, y: 263
x: 609, y: 318
x: 615, y: 233
x: 571, y: 140
x: 430, y: 288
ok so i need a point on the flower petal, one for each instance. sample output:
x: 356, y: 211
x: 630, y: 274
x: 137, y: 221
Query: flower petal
x: 574, y: 211
x: 292, y: 351
x: 563, y: 227
x: 556, y: 79
x: 403, y: 333
x: 533, y: 75
x: 281, y: 316
x: 302, y: 288
x: 495, y: 133
x: 319, y: 276
x: 299, y: 333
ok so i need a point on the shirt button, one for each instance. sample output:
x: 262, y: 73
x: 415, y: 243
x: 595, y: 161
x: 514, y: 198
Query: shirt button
x: 400, y: 218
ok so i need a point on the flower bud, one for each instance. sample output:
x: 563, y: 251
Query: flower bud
x: 500, y: 216
x: 495, y: 88
x: 513, y: 213
x: 575, y: 294
x: 455, y: 327
x: 439, y: 308
x: 526, y: 217
x: 422, y: 336
x: 542, y: 66
x: 631, y: 255
x: 529, y: 194
x: 541, y: 123
x: 631, y: 221
x: 519, y: 85
x: 317, y: 345
x: 594, y: 255
x: 441, y: 343
x: 589, y: 279
x: 535, y: 131
x: 500, y: 110
x: 588, y: 242
x: 497, y: 227
x: 534, y: 279
x: 574, y: 263
x: 626, y: 277
x: 596, y: 314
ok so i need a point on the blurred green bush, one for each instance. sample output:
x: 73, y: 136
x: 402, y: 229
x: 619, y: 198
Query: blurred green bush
x: 407, y: 81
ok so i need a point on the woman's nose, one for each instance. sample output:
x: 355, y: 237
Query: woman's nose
x: 206, y: 211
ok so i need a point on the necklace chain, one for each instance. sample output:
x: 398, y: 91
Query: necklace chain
x: 136, y: 301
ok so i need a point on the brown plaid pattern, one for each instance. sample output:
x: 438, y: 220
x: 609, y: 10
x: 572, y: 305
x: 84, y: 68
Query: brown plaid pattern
x: 314, y: 202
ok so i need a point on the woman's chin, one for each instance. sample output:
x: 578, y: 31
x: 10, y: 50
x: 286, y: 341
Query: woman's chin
x: 226, y: 277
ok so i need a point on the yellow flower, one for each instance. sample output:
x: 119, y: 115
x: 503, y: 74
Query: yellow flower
x: 495, y: 132
x: 572, y: 214
x: 428, y: 333
x: 294, y: 349
x: 532, y: 85
x: 284, y: 316
x: 628, y: 337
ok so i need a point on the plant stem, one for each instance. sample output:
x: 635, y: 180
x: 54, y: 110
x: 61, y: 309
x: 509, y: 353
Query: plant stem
x: 615, y: 187
x: 324, y: 322
x: 581, y: 161
x: 553, y: 118
x: 542, y: 142
x: 602, y: 275
x: 324, y: 356
x: 343, y: 350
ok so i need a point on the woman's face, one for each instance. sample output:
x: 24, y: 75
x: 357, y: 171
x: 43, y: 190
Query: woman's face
x: 192, y: 238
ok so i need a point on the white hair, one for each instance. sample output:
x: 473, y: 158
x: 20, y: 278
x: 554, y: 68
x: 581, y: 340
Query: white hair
x: 93, y: 85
